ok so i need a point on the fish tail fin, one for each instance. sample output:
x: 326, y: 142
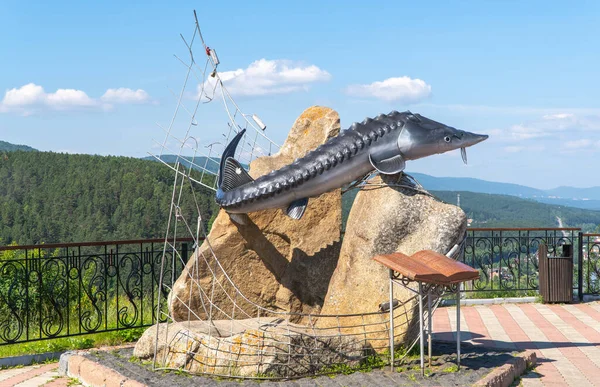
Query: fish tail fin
x: 231, y: 172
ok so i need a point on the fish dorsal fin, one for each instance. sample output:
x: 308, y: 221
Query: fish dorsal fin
x: 229, y: 152
x: 234, y: 175
x: 389, y: 166
x: 296, y: 208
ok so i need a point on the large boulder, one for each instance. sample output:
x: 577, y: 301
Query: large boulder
x: 275, y: 261
x: 249, y: 347
x: 386, y: 217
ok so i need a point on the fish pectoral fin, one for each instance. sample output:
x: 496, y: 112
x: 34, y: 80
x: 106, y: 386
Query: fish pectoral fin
x: 296, y: 208
x: 239, y: 219
x: 389, y: 166
x: 234, y: 175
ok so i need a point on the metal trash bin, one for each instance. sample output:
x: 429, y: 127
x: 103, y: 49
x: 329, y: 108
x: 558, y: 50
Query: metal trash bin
x: 556, y: 275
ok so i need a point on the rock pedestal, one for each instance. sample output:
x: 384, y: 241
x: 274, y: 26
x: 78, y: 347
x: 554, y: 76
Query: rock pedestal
x: 385, y: 219
x: 250, y: 347
x: 277, y: 264
x: 275, y: 261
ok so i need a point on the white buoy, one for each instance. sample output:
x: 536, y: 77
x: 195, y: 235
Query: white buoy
x: 259, y: 122
x: 214, y: 57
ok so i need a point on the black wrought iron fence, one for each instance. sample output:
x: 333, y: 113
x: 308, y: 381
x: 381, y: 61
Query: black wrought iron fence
x: 58, y: 290
x: 507, y: 258
x: 590, y: 263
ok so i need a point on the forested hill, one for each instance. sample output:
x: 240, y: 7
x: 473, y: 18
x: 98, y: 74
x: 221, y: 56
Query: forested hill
x: 8, y: 147
x: 54, y: 197
x: 489, y: 210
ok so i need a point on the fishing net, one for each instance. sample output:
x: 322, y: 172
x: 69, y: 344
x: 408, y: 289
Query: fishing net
x: 239, y: 337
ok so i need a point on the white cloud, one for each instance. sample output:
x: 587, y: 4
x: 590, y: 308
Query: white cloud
x: 64, y: 98
x: 401, y: 89
x: 125, y: 95
x: 578, y: 144
x: 30, y: 98
x: 549, y: 113
x: 558, y: 116
x: 513, y: 149
x: 529, y: 148
x: 264, y: 77
x: 25, y: 95
x: 556, y: 125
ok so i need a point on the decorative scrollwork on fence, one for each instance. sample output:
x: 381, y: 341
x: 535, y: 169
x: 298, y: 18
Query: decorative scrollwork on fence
x: 53, y: 296
x: 51, y: 291
x: 130, y: 268
x: 591, y: 264
x: 12, y: 291
x: 93, y: 280
x: 507, y: 258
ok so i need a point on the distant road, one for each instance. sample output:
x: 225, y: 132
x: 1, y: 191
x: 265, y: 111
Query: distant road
x: 560, y: 224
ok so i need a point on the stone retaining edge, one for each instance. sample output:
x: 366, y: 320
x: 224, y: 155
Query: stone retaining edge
x: 90, y: 373
x: 25, y: 360
x: 490, y: 301
x: 504, y: 375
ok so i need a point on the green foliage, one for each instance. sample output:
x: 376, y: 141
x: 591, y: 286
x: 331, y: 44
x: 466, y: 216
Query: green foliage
x: 8, y: 147
x: 451, y: 369
x: 58, y: 198
x: 131, y: 335
x: 68, y: 343
x: 488, y: 210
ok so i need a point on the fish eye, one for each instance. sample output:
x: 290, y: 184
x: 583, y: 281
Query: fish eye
x: 447, y: 138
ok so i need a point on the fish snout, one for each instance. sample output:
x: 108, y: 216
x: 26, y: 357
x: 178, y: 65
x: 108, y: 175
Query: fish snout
x: 470, y: 139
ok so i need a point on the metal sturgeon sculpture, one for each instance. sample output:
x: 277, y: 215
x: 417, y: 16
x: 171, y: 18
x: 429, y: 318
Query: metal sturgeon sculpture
x: 382, y: 144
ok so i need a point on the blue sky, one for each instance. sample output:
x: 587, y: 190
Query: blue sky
x: 94, y: 77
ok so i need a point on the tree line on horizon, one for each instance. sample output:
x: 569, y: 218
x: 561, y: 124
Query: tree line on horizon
x: 48, y: 197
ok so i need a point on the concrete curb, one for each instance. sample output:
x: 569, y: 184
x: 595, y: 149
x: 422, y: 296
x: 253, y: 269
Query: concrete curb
x: 90, y: 373
x: 490, y: 301
x: 504, y: 375
x: 26, y: 360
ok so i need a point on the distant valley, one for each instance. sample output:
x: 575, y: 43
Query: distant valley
x: 56, y: 197
x: 586, y: 198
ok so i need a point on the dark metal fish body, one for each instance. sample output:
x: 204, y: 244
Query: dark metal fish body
x: 382, y: 144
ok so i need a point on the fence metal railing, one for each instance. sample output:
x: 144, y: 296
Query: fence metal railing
x: 60, y: 290
x: 508, y: 262
x: 589, y: 262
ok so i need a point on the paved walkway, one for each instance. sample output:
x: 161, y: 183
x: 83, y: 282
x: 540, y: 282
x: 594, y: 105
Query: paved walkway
x: 566, y: 337
x: 34, y: 376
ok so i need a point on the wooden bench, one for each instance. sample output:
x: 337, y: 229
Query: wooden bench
x: 431, y: 271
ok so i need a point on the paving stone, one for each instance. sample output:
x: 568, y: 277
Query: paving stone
x: 289, y: 383
x: 306, y: 382
x: 325, y: 381
x: 268, y: 384
x: 380, y: 379
x: 249, y: 383
x: 348, y: 380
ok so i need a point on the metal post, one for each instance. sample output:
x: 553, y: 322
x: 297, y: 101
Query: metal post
x: 429, y: 324
x: 580, y: 268
x: 458, y: 327
x: 391, y: 320
x: 421, y: 338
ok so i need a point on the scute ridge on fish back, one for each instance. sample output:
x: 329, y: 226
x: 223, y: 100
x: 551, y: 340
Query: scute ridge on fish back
x: 382, y: 144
